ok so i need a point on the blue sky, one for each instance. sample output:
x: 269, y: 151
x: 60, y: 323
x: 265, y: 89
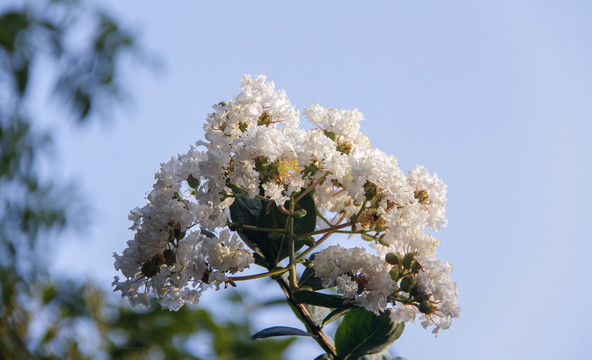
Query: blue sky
x: 493, y: 96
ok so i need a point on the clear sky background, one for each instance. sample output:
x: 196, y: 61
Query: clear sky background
x: 493, y: 96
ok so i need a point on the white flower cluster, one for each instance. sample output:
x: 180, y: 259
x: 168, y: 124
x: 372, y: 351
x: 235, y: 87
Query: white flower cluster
x: 357, y: 275
x: 165, y: 255
x: 254, y: 144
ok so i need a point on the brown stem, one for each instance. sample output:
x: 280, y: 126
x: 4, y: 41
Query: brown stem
x: 310, y: 187
x: 323, y: 340
x: 329, y: 229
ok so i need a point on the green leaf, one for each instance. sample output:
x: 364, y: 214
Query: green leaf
x: 308, y: 222
x: 317, y: 313
x: 384, y: 355
x: 306, y: 240
x: 275, y: 246
x: 323, y: 357
x: 279, y: 331
x: 246, y: 211
x: 207, y: 233
x: 318, y: 299
x: 336, y: 314
x: 363, y: 333
x: 22, y: 78
x: 49, y: 293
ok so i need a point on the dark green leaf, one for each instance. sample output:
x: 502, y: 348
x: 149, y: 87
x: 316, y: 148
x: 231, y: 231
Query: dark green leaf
x: 318, y: 299
x: 246, y: 211
x: 82, y: 103
x: 362, y: 333
x: 317, y: 313
x: 384, y: 355
x: 273, y: 247
x: 208, y: 233
x: 22, y: 78
x: 11, y: 24
x: 49, y: 293
x: 276, y: 246
x: 308, y: 222
x: 279, y: 331
x: 260, y: 260
x: 305, y: 240
x: 323, y: 357
x: 336, y: 314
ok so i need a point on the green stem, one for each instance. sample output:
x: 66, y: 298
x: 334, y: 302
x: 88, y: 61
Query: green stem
x: 323, y: 238
x: 308, y: 251
x: 258, y: 276
x: 323, y: 218
x: 362, y: 208
x: 236, y: 187
x: 257, y: 228
x: 358, y: 232
x: 291, y: 241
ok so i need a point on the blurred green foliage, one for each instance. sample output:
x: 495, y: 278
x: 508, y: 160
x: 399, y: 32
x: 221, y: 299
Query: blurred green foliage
x: 71, y: 320
x: 56, y: 318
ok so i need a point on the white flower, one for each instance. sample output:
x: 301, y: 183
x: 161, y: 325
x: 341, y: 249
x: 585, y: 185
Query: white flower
x: 274, y: 191
x: 434, y: 279
x: 430, y: 194
x: 358, y: 275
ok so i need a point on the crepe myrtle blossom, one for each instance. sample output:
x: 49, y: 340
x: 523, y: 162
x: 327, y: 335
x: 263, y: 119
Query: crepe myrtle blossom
x: 306, y: 185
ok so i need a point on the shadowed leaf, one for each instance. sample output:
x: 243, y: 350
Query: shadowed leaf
x: 279, y: 331
x: 363, y: 333
x: 318, y: 299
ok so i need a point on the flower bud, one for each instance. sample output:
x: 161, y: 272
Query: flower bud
x: 330, y: 134
x: 408, y: 260
x: 426, y: 307
x: 392, y: 258
x: 415, y: 268
x: 193, y: 182
x: 264, y: 119
x: 177, y: 197
x: 421, y: 298
x: 380, y: 228
x: 367, y: 237
x: 422, y: 196
x: 394, y: 274
x: 298, y: 214
x: 407, y: 284
x: 344, y: 148
x: 307, y: 263
x: 370, y: 190
x: 308, y: 241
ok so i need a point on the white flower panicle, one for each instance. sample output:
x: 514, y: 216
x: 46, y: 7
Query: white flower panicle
x: 254, y: 147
